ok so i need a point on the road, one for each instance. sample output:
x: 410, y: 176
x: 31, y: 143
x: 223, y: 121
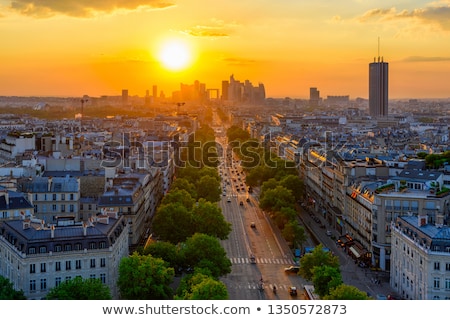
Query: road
x: 263, y: 241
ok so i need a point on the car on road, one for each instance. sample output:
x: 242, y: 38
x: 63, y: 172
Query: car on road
x: 241, y: 203
x: 252, y: 225
x: 229, y: 199
x: 293, y: 269
x: 329, y: 233
x: 293, y: 291
x: 248, y: 200
x: 252, y: 259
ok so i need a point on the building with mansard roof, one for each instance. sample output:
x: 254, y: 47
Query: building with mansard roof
x: 37, y: 256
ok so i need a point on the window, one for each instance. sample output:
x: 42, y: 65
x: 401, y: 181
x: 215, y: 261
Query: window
x: 77, y: 264
x: 58, y: 266
x: 43, y: 284
x: 92, y: 276
x: 58, y: 248
x: 78, y: 246
x: 32, y: 285
x: 43, y: 267
x: 68, y: 247
x: 436, y: 283
x: 63, y: 208
x: 103, y: 277
x: 102, y: 262
x: 42, y: 249
x: 31, y: 250
x: 437, y: 265
x: 71, y: 208
x: 92, y: 245
x: 54, y: 197
x: 102, y: 245
x: 71, y: 196
x: 32, y: 268
x: 447, y: 284
x: 447, y: 266
x: 92, y: 263
x: 53, y: 207
x: 63, y: 196
x: 68, y: 278
x: 57, y: 281
x: 68, y: 265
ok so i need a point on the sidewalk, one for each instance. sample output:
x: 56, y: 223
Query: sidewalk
x: 367, y: 280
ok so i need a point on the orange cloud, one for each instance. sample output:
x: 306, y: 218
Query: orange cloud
x: 81, y: 8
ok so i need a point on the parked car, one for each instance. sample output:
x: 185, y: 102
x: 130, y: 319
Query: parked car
x: 252, y: 225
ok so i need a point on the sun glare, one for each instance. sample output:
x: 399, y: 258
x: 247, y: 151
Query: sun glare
x: 175, y: 55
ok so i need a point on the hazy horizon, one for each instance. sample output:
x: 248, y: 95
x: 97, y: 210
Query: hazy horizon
x: 72, y: 47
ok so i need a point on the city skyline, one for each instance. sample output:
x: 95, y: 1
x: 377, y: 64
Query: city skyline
x: 72, y: 48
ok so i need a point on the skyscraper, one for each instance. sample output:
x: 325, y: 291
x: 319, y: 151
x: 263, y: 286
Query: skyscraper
x: 378, y: 88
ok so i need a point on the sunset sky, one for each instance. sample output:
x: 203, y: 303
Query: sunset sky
x: 99, y: 47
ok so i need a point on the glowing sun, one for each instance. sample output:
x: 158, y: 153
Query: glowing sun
x: 175, y: 55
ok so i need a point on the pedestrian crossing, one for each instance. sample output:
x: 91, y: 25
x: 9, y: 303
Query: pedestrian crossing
x: 256, y: 286
x: 245, y: 260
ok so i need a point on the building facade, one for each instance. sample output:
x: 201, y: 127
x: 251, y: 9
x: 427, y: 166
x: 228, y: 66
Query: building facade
x: 36, y: 256
x: 378, y: 88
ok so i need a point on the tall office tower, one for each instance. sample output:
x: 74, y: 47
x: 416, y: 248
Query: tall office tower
x: 225, y: 85
x: 314, y: 97
x: 155, y: 92
x: 124, y: 97
x: 378, y: 88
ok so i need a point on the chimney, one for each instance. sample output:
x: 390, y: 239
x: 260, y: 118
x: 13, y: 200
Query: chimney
x: 84, y: 229
x: 26, y: 224
x: 49, y: 183
x: 422, y: 220
x: 52, y: 231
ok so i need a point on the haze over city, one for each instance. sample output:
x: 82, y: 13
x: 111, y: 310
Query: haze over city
x: 71, y: 48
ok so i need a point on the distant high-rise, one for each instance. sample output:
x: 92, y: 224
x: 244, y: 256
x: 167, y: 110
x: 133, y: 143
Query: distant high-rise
x: 124, y: 97
x: 378, y: 88
x: 314, y: 97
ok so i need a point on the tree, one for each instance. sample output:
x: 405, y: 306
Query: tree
x: 326, y: 278
x: 7, y: 291
x: 208, y: 188
x: 201, y: 287
x: 346, y: 292
x: 294, y: 233
x: 173, y: 222
x: 318, y: 257
x: 208, y: 219
x: 295, y: 184
x: 80, y: 289
x: 284, y: 216
x: 179, y: 196
x: 205, y: 251
x: 164, y: 250
x: 143, y: 277
x: 182, y: 184
x: 275, y: 199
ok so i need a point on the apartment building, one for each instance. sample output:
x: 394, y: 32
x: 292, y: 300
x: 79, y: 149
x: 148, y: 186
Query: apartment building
x: 420, y: 259
x: 37, y: 256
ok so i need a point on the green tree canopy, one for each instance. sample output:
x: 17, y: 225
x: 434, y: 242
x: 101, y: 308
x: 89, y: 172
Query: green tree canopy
x: 179, y: 196
x: 205, y: 251
x: 346, y: 292
x: 80, y: 289
x: 295, y: 184
x: 143, y: 277
x: 208, y: 188
x: 294, y: 233
x: 325, y: 278
x: 173, y: 222
x: 7, y: 291
x: 318, y: 257
x: 208, y: 219
x: 167, y: 251
x: 275, y: 199
x: 201, y: 287
x: 182, y: 184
